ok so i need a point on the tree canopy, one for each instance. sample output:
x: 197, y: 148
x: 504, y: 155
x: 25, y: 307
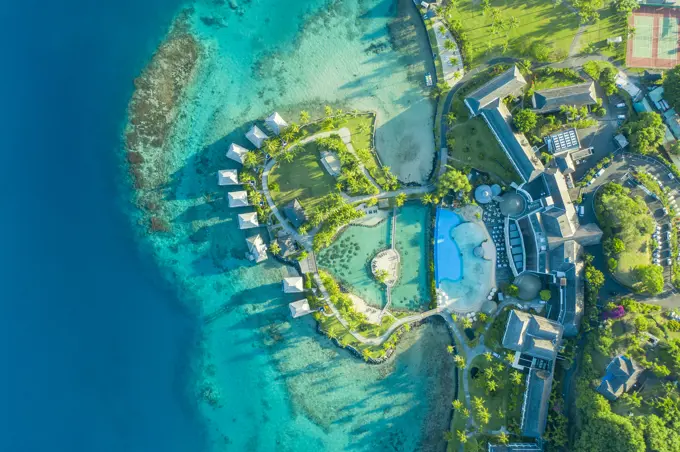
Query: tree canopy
x: 624, y: 217
x: 671, y: 87
x: 651, y: 278
x: 525, y: 120
x: 454, y: 180
x: 647, y: 133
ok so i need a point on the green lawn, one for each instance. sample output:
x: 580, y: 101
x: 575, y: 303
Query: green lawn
x: 638, y: 253
x: 475, y: 146
x: 504, y: 406
x: 556, y: 79
x: 610, y: 25
x: 304, y: 178
x: 539, y: 21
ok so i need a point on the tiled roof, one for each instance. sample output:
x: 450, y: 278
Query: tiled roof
x: 549, y: 100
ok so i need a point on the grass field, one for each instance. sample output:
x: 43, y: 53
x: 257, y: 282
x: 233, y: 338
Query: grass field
x: 537, y: 21
x: 635, y: 254
x: 475, y: 146
x: 554, y: 80
x: 304, y: 178
x: 610, y: 25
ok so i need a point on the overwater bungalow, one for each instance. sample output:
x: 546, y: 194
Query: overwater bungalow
x: 238, y: 198
x: 256, y: 136
x: 248, y: 220
x: 257, y: 249
x: 293, y: 284
x: 275, y: 123
x: 227, y: 177
x: 299, y: 308
x: 237, y: 153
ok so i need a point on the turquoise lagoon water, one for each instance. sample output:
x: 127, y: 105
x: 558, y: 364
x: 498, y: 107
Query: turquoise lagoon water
x: 282, y: 386
x: 348, y: 258
x: 411, y: 292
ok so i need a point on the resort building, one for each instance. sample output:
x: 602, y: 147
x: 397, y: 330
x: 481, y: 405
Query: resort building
x: 563, y: 142
x: 295, y: 213
x: 552, y: 99
x: 536, y: 341
x: 488, y: 102
x: 330, y: 161
x: 227, y: 177
x: 256, y: 136
x: 248, y: 220
x: 275, y: 123
x: 238, y: 198
x: 293, y: 284
x: 237, y: 153
x: 299, y: 308
x: 257, y: 250
x: 621, y: 375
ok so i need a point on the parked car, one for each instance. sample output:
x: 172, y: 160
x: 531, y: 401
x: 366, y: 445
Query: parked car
x: 621, y: 105
x: 670, y: 176
x: 621, y: 117
x: 599, y: 173
x: 581, y: 211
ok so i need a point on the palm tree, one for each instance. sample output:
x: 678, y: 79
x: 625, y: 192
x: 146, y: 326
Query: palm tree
x: 449, y: 45
x: 503, y: 438
x: 450, y: 118
x: 288, y: 156
x: 304, y: 117
x: 366, y: 354
x: 467, y: 323
x: 426, y: 199
x: 449, y: 349
x: 338, y: 112
x: 477, y: 403
x: 328, y: 111
x: 274, y: 248
x: 489, y: 373
x: 363, y: 127
x: 457, y: 404
x: 303, y: 229
x: 514, y: 22
x: 272, y: 145
x: 462, y: 437
x: 250, y: 160
x: 442, y: 30
x: 516, y: 377
x: 465, y: 412
x: 488, y: 356
x: 448, y: 436
x: 491, y: 385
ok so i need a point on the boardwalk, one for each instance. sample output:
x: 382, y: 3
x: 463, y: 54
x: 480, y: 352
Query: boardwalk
x: 393, y: 240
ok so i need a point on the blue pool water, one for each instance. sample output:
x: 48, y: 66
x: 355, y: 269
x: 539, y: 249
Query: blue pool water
x: 447, y: 256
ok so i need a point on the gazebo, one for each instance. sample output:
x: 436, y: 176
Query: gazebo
x: 293, y: 284
x: 248, y: 220
x: 256, y: 136
x: 238, y: 198
x: 299, y: 308
x: 483, y: 194
x: 275, y: 123
x: 227, y: 177
x: 257, y: 248
x: 237, y: 153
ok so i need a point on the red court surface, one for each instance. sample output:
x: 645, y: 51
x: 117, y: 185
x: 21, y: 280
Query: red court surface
x: 655, y: 42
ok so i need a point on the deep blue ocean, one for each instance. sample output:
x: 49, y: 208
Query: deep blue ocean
x: 93, y: 344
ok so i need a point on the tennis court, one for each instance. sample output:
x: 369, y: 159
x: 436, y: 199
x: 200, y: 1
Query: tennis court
x: 655, y: 42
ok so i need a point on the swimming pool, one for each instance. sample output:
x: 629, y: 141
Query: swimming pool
x: 447, y: 255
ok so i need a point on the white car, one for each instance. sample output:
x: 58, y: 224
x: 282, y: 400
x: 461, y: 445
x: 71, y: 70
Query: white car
x: 581, y: 211
x: 621, y: 117
x: 621, y: 105
x: 670, y: 176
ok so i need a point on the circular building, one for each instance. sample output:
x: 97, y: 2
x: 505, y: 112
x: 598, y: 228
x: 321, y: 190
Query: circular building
x: 512, y: 204
x: 483, y: 194
x: 495, y: 189
x: 529, y: 286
